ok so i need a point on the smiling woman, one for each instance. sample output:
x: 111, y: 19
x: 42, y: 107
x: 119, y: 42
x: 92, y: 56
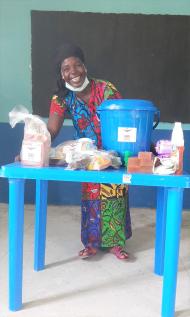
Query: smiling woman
x: 74, y: 73
x: 105, y: 212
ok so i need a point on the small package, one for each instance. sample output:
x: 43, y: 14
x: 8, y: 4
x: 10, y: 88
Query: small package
x: 83, y: 154
x: 164, y: 148
x: 164, y: 165
x: 101, y: 159
x: 37, y: 140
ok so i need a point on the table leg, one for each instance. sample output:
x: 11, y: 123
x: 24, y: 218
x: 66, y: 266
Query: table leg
x: 173, y: 226
x: 40, y: 224
x: 160, y: 230
x: 16, y: 224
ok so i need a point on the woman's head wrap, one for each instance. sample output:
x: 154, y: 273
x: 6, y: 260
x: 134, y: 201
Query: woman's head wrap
x: 69, y: 50
x: 65, y: 51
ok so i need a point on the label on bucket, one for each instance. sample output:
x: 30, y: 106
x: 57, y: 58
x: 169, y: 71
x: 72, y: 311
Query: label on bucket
x: 127, y: 134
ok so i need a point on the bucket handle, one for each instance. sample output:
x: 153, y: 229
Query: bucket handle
x: 157, y: 119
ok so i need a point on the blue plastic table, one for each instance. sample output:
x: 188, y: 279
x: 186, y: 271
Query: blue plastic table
x: 168, y: 220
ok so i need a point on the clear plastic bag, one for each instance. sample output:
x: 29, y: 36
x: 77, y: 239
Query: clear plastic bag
x: 83, y: 154
x: 71, y: 146
x: 101, y: 159
x: 165, y: 166
x: 37, y: 140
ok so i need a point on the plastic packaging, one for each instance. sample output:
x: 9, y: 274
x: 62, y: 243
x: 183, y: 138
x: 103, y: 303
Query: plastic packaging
x: 101, y: 159
x: 164, y: 165
x: 64, y: 150
x: 170, y: 153
x: 164, y: 148
x: 83, y: 154
x: 177, y: 137
x: 127, y: 154
x: 37, y: 140
x: 177, y: 140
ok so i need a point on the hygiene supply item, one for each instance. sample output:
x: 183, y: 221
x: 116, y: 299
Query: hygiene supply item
x: 177, y: 141
x: 127, y: 125
x: 164, y: 148
x: 164, y: 165
x: 127, y: 154
x: 141, y: 164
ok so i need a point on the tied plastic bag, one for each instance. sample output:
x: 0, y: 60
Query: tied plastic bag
x: 83, y: 154
x: 37, y: 140
x: 67, y: 148
x: 164, y: 165
x: 101, y: 159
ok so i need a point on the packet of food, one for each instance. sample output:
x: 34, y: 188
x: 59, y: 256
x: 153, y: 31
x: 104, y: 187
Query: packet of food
x: 37, y: 140
x: 102, y: 159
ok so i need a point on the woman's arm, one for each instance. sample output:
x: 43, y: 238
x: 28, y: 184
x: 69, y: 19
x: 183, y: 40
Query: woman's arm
x: 54, y: 124
x: 56, y: 117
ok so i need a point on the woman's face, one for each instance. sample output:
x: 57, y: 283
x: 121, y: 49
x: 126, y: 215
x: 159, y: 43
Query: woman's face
x: 73, y: 71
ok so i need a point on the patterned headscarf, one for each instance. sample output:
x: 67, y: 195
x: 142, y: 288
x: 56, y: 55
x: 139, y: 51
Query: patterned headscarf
x: 69, y: 50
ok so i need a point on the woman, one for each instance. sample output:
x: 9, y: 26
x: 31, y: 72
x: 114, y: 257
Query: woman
x: 105, y: 220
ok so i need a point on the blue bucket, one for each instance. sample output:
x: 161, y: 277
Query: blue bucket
x: 127, y: 124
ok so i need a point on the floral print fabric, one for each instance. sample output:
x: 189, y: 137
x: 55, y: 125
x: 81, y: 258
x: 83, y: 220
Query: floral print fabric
x: 105, y: 212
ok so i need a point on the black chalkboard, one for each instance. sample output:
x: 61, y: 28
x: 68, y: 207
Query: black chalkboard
x: 145, y: 56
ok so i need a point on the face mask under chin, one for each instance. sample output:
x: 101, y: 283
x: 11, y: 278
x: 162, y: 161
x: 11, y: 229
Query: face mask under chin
x: 78, y: 89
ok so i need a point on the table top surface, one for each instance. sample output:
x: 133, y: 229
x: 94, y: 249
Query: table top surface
x: 115, y: 176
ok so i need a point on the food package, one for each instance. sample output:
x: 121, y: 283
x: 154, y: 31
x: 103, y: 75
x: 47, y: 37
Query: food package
x: 71, y: 146
x: 37, y: 140
x: 83, y: 154
x: 103, y: 159
x: 94, y: 160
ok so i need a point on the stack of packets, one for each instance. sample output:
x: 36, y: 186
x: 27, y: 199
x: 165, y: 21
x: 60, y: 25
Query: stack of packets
x: 143, y: 163
x: 83, y: 154
x: 166, y: 162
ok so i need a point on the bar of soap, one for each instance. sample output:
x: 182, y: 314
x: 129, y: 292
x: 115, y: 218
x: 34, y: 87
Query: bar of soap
x: 141, y: 164
x: 145, y: 156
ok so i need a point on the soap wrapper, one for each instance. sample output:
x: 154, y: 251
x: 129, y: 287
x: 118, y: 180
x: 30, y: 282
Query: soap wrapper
x: 165, y: 166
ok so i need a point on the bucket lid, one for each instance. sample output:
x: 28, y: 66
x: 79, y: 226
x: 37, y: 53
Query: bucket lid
x: 127, y: 104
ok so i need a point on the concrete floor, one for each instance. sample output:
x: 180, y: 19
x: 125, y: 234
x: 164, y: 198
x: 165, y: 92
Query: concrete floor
x: 100, y: 287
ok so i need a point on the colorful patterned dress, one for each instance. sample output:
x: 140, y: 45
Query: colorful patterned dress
x: 105, y: 220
